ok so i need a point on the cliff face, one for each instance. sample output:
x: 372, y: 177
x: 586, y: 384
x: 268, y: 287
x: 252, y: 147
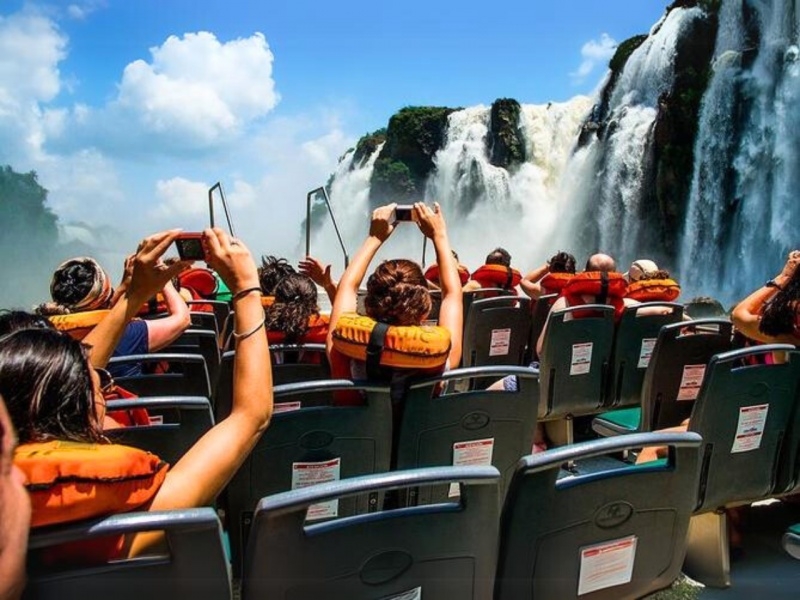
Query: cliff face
x: 412, y: 139
x: 505, y: 142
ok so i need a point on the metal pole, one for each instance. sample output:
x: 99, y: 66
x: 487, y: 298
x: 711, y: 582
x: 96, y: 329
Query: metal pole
x: 333, y: 219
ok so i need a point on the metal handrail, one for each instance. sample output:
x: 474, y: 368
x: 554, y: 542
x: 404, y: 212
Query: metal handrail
x: 309, y: 196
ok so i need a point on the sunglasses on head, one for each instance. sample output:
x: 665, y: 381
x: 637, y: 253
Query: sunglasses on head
x: 106, y: 380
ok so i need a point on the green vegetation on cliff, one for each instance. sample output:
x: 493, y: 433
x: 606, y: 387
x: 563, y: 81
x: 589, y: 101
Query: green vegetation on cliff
x: 412, y: 139
x: 366, y: 146
x: 505, y: 141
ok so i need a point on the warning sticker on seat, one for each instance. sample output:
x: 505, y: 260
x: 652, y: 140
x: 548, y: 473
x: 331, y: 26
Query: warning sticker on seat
x: 581, y: 362
x: 474, y: 452
x: 750, y: 428
x: 646, y: 352
x: 281, y: 407
x: 415, y: 594
x: 305, y: 474
x: 500, y: 342
x: 606, y: 565
x: 691, y: 380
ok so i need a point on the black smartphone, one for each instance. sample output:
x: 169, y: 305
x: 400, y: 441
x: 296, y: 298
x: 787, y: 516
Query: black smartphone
x: 404, y: 212
x: 190, y: 246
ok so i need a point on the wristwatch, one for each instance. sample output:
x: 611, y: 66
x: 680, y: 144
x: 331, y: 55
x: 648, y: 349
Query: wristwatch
x: 773, y: 284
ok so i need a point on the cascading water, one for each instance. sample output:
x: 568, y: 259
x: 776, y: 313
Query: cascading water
x: 743, y: 210
x: 612, y: 175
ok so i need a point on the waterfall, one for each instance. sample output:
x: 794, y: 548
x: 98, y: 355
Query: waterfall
x: 611, y: 177
x: 743, y: 214
x: 488, y: 206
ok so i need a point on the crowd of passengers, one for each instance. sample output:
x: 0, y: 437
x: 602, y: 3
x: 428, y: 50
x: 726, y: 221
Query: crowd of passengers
x: 55, y: 380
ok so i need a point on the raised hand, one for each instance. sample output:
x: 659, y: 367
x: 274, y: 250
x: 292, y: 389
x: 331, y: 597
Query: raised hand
x: 430, y: 220
x: 382, y: 226
x: 314, y: 269
x: 148, y: 273
x: 231, y: 259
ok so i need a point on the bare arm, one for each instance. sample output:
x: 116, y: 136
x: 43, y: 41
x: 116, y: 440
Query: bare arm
x: 346, y: 295
x: 162, y: 332
x: 205, y: 469
x: 530, y: 283
x: 148, y: 275
x: 432, y: 224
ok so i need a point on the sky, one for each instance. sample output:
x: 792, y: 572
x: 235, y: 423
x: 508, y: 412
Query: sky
x: 129, y: 110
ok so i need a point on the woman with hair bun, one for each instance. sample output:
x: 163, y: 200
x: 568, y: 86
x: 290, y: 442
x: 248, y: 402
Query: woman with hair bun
x: 294, y: 317
x: 397, y: 291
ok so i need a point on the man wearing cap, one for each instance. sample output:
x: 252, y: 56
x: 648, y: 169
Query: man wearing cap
x: 640, y: 268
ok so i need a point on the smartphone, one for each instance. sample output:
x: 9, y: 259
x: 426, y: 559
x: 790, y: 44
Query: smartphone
x: 404, y: 212
x: 190, y: 246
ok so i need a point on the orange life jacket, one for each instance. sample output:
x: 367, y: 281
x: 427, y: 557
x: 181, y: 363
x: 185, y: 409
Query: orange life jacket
x: 201, y: 281
x: 432, y: 274
x: 267, y: 301
x: 553, y: 283
x: 79, y: 324
x: 317, y: 332
x: 603, y: 287
x: 654, y: 290
x: 70, y: 481
x: 497, y: 276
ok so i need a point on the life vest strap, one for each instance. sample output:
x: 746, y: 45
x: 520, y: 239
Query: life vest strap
x: 377, y: 339
x: 602, y: 297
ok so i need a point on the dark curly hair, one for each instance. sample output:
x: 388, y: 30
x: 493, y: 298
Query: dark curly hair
x: 781, y: 315
x: 295, y: 303
x: 397, y: 293
x: 271, y: 271
x: 46, y: 382
x: 562, y: 262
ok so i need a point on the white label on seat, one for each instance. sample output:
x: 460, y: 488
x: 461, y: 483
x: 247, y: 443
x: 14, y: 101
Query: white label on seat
x: 474, y: 452
x: 646, y: 352
x: 305, y: 474
x: 156, y: 419
x: 581, y: 359
x: 280, y: 407
x: 750, y: 428
x: 415, y: 594
x: 606, y: 565
x: 691, y: 380
x: 500, y: 342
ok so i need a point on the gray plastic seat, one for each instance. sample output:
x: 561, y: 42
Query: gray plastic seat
x: 347, y: 440
x: 221, y: 310
x: 672, y: 378
x: 187, y: 375
x: 496, y: 332
x: 204, y: 321
x: 743, y: 413
x: 471, y: 296
x: 540, y: 309
x: 316, y: 369
x: 194, y: 566
x: 467, y: 427
x: 791, y: 541
x: 554, y: 526
x: 199, y: 341
x: 176, y: 424
x: 634, y: 340
x: 445, y: 551
x: 573, y: 366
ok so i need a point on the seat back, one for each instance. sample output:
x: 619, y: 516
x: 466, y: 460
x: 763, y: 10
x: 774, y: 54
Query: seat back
x: 539, y: 311
x: 677, y: 367
x: 193, y: 564
x: 480, y: 294
x: 311, y: 445
x: 634, y: 341
x: 186, y: 375
x: 558, y: 531
x: 176, y: 424
x: 442, y: 551
x: 221, y: 309
x: 743, y: 413
x: 496, y: 332
x: 312, y: 366
x: 204, y: 320
x: 202, y: 342
x: 574, y: 362
x: 467, y: 428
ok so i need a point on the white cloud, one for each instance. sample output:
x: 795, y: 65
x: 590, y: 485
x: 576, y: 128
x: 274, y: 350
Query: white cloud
x: 200, y: 89
x: 179, y: 198
x: 594, y: 52
x: 81, y: 10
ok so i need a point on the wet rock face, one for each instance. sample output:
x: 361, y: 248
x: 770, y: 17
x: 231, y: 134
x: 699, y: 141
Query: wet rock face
x: 366, y: 146
x: 676, y: 126
x: 505, y: 142
x: 412, y: 139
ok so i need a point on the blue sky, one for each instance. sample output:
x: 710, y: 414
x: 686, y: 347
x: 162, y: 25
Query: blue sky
x: 130, y: 109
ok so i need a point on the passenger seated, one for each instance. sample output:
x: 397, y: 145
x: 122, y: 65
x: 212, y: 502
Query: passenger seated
x: 551, y: 277
x: 432, y: 273
x: 54, y: 395
x: 648, y: 283
x: 496, y: 272
x: 397, y: 292
x: 270, y: 273
x: 81, y: 284
x: 703, y: 307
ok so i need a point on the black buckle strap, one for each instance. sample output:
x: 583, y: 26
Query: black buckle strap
x: 602, y: 297
x: 377, y: 337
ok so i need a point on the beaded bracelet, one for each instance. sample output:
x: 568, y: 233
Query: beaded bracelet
x: 243, y: 293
